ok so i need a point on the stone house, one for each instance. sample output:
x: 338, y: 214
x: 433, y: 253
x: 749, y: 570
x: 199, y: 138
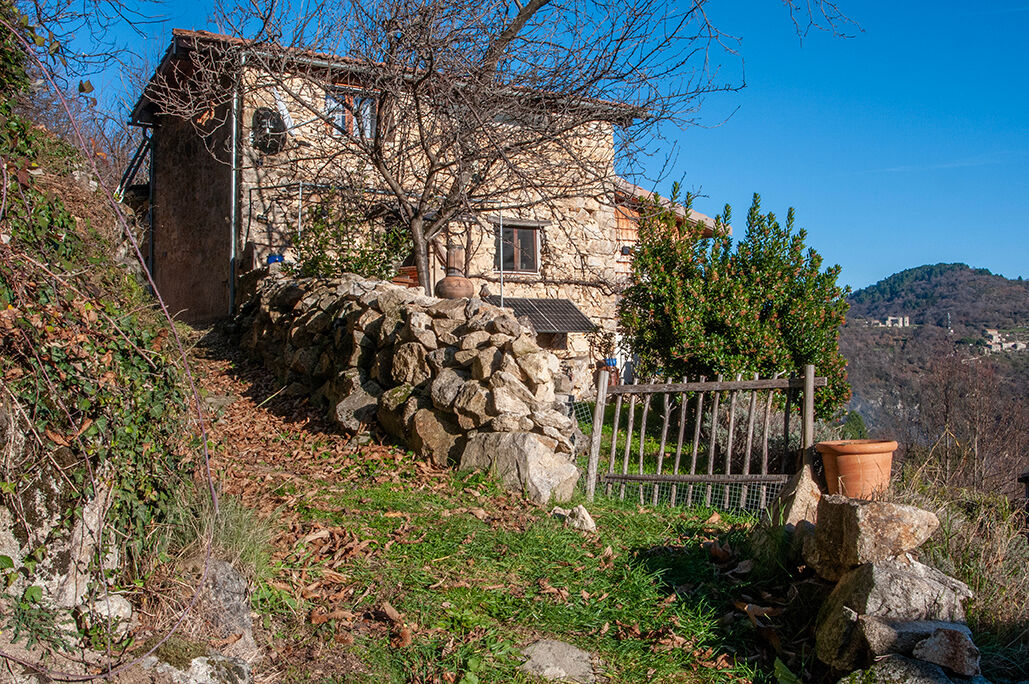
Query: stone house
x: 232, y: 180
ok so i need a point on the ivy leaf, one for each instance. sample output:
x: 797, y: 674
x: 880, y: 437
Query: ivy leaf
x: 783, y: 675
x: 33, y: 594
x: 6, y: 563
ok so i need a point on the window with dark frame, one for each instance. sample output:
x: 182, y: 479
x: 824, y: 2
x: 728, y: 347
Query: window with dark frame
x: 519, y: 247
x: 352, y: 111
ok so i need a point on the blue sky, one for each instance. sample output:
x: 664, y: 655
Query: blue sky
x: 905, y: 144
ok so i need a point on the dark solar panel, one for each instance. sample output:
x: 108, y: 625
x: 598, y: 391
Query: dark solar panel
x: 547, y: 315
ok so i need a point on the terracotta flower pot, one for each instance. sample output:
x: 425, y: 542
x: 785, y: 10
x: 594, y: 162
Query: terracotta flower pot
x: 857, y: 468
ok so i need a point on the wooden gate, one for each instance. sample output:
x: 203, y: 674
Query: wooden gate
x: 722, y: 451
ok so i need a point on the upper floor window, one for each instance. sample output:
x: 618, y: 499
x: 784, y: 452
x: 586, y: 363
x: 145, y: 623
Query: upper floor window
x: 352, y: 111
x: 517, y: 249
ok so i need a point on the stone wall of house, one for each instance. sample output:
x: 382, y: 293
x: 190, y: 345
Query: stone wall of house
x: 577, y: 246
x: 460, y: 382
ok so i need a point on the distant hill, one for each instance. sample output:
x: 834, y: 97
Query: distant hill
x: 974, y: 298
x: 889, y: 366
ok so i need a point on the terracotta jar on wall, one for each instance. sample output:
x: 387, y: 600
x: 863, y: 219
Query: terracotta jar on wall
x: 454, y: 285
x: 858, y: 468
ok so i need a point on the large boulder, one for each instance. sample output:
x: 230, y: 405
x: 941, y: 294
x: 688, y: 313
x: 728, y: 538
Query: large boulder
x: 894, y: 590
x: 798, y: 501
x: 471, y: 406
x: 209, y: 669
x: 436, y: 437
x: 851, y: 532
x: 883, y: 637
x: 523, y: 345
x: 536, y: 368
x: 391, y: 411
x: 503, y: 402
x: 558, y: 661
x: 418, y: 328
x: 359, y: 404
x: 409, y: 365
x: 226, y: 607
x: 445, y: 388
x: 524, y: 462
x: 951, y: 649
x: 453, y: 309
x: 485, y: 363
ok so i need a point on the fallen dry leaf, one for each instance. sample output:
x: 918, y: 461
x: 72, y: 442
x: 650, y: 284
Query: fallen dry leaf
x: 719, y: 554
x: 402, y: 639
x: 391, y: 613
x: 754, y: 611
x: 227, y: 641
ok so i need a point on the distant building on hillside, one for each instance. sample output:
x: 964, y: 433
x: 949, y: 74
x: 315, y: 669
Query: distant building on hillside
x: 898, y: 322
x: 890, y: 322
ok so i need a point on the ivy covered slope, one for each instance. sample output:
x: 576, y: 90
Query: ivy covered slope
x: 704, y: 306
x: 88, y: 401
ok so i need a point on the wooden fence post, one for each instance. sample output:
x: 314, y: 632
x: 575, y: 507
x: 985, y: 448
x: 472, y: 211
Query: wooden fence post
x: 598, y: 429
x: 809, y: 411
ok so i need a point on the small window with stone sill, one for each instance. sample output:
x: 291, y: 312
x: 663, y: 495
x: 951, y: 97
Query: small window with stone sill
x: 517, y: 249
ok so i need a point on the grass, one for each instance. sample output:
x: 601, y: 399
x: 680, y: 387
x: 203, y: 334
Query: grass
x: 474, y: 587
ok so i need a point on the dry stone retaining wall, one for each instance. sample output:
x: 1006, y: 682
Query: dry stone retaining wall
x: 460, y: 381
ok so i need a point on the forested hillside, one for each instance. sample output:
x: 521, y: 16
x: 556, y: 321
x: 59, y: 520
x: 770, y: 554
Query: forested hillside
x: 974, y: 298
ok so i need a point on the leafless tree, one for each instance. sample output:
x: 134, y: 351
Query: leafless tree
x: 447, y: 109
x: 974, y: 431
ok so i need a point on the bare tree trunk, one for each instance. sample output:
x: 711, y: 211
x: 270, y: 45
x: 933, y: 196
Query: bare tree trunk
x: 421, y: 253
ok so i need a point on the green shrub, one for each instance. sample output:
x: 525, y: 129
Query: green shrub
x: 702, y: 306
x: 82, y: 354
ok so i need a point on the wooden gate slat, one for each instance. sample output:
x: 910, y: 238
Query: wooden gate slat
x: 614, y: 440
x: 643, y: 438
x: 729, y: 441
x: 697, y: 421
x: 628, y: 444
x: 712, y: 443
x: 664, y: 435
x: 748, y: 453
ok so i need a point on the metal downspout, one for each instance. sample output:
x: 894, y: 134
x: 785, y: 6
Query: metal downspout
x: 233, y: 189
x: 501, y: 241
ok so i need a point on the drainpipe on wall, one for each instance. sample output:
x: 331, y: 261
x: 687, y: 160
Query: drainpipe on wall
x: 233, y: 187
x: 501, y: 241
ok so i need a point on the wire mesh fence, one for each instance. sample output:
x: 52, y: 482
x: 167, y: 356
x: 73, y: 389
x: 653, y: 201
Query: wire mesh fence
x: 723, y: 444
x: 582, y: 413
x: 728, y: 496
